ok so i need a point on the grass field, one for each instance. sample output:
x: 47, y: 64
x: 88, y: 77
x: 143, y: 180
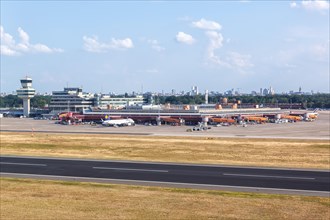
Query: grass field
x: 251, y: 152
x: 42, y: 199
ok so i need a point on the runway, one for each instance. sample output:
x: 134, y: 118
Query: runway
x: 165, y: 173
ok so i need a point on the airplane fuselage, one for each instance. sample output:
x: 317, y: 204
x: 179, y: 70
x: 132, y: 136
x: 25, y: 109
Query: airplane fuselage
x: 118, y: 122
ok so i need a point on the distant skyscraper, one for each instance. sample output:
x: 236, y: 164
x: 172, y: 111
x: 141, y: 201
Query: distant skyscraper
x: 265, y: 92
x: 173, y: 91
x: 271, y: 91
x: 194, y: 90
x: 206, y: 96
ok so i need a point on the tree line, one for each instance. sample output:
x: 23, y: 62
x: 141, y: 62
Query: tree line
x: 308, y: 101
x: 12, y: 101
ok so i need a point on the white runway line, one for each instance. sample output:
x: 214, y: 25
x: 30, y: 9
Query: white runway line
x: 267, y: 176
x: 24, y: 164
x: 127, y: 169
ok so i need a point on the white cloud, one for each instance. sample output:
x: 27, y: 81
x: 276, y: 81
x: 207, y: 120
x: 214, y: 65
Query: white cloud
x: 24, y: 36
x: 5, y: 50
x: 6, y: 38
x: 182, y: 37
x: 41, y: 48
x: 121, y: 44
x: 155, y: 45
x: 8, y: 44
x: 216, y: 39
x: 313, y: 5
x: 230, y: 60
x: 216, y: 42
x: 233, y: 60
x: 207, y: 25
x: 293, y: 5
x: 10, y: 48
x: 92, y: 44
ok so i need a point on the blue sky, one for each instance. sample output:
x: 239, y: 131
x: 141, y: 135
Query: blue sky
x: 109, y: 46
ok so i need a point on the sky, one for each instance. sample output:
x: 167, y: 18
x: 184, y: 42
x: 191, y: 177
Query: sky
x: 126, y: 46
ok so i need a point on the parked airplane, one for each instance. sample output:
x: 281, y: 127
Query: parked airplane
x: 291, y: 117
x: 118, y: 122
x: 223, y: 120
x: 257, y: 119
x: 307, y: 116
x: 172, y: 121
x: 311, y: 116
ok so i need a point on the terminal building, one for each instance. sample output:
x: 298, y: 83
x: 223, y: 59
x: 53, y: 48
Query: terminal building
x: 75, y: 100
x: 107, y: 102
x: 70, y: 99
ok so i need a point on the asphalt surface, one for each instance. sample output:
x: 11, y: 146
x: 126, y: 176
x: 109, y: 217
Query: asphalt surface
x: 259, y: 178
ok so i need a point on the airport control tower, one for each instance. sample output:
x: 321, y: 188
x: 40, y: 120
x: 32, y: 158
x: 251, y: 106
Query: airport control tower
x: 26, y: 93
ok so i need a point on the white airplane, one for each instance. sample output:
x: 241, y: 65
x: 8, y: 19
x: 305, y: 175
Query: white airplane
x: 118, y: 122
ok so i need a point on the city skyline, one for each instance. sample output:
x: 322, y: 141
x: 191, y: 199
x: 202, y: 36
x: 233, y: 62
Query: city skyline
x: 124, y: 46
x: 194, y: 90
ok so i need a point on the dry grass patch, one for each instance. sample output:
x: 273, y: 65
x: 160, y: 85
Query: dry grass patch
x: 42, y: 199
x: 252, y: 152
